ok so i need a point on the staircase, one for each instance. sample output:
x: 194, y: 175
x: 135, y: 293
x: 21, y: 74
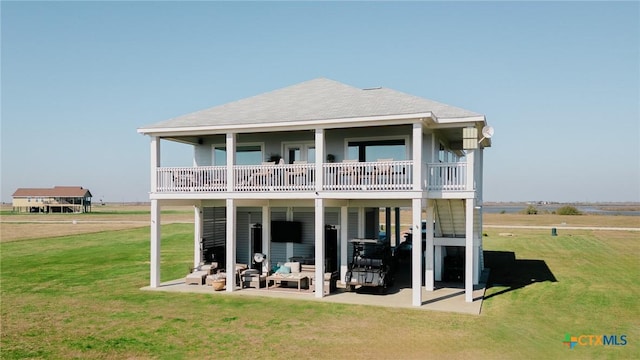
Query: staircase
x: 450, y: 218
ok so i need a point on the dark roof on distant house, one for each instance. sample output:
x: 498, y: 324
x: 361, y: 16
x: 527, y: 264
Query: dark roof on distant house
x: 56, y: 191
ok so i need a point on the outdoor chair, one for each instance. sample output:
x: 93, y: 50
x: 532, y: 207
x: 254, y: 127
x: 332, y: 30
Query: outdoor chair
x: 297, y: 175
x: 382, y: 170
x: 349, y: 173
x: 263, y: 176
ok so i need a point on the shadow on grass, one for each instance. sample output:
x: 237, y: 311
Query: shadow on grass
x: 514, y: 273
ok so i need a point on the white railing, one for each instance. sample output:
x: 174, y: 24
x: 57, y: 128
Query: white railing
x: 201, y: 178
x: 345, y: 176
x: 375, y: 175
x: 279, y: 177
x: 447, y: 176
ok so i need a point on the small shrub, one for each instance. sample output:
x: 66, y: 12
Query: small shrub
x: 568, y: 210
x: 530, y: 210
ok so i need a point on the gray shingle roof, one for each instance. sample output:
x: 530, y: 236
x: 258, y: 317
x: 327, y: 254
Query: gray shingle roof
x: 318, y: 99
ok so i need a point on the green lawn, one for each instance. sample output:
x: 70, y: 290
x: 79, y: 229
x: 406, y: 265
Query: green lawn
x: 78, y: 297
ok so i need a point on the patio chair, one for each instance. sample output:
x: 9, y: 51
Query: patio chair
x: 381, y: 170
x: 349, y: 172
x: 263, y: 176
x: 297, y: 173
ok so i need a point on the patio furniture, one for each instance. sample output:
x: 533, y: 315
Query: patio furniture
x: 199, y: 273
x: 251, y: 278
x: 298, y: 278
x: 264, y: 175
x: 218, y: 281
x: 196, y: 278
x: 329, y: 279
x: 382, y: 170
x: 349, y: 173
x: 297, y: 175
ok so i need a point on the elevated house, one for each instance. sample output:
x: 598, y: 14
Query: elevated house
x: 327, y: 156
x: 59, y: 199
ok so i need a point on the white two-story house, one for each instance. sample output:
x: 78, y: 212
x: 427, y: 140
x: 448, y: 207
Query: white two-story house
x: 324, y: 155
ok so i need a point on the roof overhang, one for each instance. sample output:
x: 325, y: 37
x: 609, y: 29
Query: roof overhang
x: 291, y: 125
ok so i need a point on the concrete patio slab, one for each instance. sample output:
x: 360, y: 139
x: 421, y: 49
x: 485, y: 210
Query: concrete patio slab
x: 446, y: 297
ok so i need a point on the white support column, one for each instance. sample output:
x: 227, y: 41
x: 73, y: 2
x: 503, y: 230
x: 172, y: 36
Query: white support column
x: 155, y: 244
x: 231, y: 160
x: 479, y: 162
x: 416, y: 148
x: 155, y: 162
x: 470, y: 169
x: 231, y: 245
x: 416, y: 252
x: 319, y: 236
x: 480, y: 197
x: 197, y: 235
x: 397, y: 228
x: 437, y: 263
x: 344, y: 242
x: 429, y: 256
x: 266, y: 238
x: 320, y: 156
x: 360, y: 222
x: 468, y: 252
x: 476, y: 264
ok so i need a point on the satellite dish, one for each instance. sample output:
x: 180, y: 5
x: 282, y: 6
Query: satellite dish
x: 487, y: 133
x: 259, y: 257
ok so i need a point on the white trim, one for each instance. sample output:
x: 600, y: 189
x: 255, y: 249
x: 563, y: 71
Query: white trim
x: 191, y: 197
x: 289, y: 125
x: 451, y: 120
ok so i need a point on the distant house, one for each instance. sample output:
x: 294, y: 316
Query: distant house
x: 59, y: 199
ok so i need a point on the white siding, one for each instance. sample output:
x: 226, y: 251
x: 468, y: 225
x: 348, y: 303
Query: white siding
x: 202, y: 155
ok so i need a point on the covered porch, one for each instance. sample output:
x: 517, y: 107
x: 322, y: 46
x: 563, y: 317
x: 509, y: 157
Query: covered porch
x: 237, y: 224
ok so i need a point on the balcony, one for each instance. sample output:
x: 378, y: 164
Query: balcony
x: 345, y: 176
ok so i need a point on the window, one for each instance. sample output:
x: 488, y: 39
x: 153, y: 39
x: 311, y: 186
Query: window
x: 377, y: 149
x: 300, y: 152
x: 245, y: 155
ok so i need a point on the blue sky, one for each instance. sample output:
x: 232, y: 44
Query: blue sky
x: 559, y: 82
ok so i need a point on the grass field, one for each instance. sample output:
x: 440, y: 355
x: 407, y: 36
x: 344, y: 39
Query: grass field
x: 77, y: 296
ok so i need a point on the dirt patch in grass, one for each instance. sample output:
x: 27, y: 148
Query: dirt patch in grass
x: 21, y: 226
